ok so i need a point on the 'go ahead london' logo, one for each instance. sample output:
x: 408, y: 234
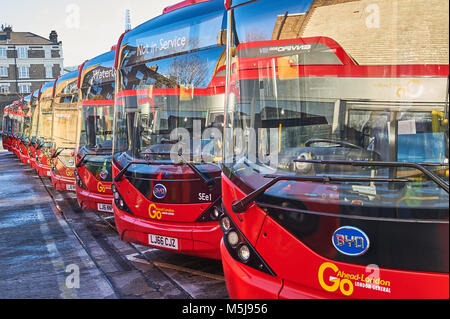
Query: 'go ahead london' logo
x: 331, y: 279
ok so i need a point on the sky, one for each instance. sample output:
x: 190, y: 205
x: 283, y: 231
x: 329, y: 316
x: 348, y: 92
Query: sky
x: 87, y: 28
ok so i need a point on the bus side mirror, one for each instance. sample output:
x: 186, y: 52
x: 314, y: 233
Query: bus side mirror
x: 222, y: 38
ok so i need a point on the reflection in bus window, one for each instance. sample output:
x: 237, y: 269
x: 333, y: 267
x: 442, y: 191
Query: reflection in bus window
x: 302, y: 90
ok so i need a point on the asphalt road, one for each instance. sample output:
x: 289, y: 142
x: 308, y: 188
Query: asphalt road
x: 50, y: 248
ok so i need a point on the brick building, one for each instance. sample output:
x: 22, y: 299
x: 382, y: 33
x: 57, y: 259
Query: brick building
x: 404, y: 31
x: 27, y: 60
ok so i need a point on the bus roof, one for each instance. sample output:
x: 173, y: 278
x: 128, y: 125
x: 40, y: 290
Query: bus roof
x: 181, y: 4
x: 47, y: 89
x: 180, y: 20
x: 62, y: 83
x: 104, y: 61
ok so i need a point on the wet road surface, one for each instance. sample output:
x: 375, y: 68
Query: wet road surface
x: 50, y: 248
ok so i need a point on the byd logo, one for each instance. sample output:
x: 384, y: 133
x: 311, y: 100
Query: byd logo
x: 350, y: 241
x: 159, y: 191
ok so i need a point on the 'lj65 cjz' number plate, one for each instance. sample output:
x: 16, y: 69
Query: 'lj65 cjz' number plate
x: 163, y: 241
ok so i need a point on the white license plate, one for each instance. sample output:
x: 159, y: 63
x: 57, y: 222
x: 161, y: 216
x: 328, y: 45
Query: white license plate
x: 48, y: 173
x: 163, y: 241
x: 70, y: 187
x: 105, y: 208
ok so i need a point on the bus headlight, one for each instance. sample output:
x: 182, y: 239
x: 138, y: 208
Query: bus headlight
x: 212, y: 213
x: 225, y: 223
x: 239, y: 248
x: 233, y: 238
x: 79, y: 181
x: 244, y: 253
x: 118, y: 200
x: 215, y: 213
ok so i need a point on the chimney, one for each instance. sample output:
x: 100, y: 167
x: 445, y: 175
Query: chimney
x: 53, y: 36
x: 8, y: 31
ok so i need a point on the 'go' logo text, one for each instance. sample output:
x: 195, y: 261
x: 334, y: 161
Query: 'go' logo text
x: 345, y: 285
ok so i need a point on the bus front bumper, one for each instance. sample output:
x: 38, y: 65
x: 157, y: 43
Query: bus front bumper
x: 62, y: 183
x: 197, y: 239
x: 43, y: 170
x: 95, y: 201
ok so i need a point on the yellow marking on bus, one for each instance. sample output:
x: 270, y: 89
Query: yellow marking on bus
x: 279, y: 138
x: 416, y: 198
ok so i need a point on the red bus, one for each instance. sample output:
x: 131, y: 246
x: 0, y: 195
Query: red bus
x: 24, y: 138
x: 17, y: 124
x: 94, y: 149
x: 6, y: 128
x: 12, y: 118
x: 44, y: 129
x: 335, y: 169
x: 167, y: 132
x: 32, y: 136
x: 64, y: 131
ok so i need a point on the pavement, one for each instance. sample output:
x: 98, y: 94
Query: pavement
x: 39, y: 256
x: 51, y: 249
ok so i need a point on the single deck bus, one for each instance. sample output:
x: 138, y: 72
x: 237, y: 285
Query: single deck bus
x: 64, y: 131
x: 44, y: 129
x: 168, y: 122
x: 335, y: 169
x: 94, y: 149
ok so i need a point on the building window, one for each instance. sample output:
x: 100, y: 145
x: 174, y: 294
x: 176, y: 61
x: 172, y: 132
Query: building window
x: 24, y: 72
x: 25, y: 88
x: 2, y: 52
x: 22, y: 53
x: 4, y: 71
x: 4, y: 88
x: 49, y: 71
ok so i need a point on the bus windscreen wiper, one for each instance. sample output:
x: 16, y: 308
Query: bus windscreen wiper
x: 81, y: 161
x: 147, y: 162
x: 419, y: 166
x: 60, y: 150
x: 208, y: 181
x: 240, y: 205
